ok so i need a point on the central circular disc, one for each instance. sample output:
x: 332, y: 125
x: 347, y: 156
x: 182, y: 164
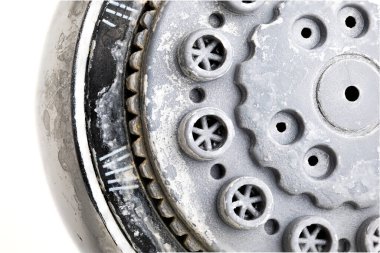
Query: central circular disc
x: 347, y: 94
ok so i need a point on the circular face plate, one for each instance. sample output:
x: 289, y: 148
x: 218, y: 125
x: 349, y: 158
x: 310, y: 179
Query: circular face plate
x: 278, y: 126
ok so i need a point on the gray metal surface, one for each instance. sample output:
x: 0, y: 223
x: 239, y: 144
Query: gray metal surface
x: 87, y: 206
x: 253, y: 126
x: 62, y: 164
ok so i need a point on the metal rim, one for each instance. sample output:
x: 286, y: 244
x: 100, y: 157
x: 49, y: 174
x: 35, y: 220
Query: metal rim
x: 80, y: 131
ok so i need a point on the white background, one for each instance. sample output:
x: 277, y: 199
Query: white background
x: 29, y: 220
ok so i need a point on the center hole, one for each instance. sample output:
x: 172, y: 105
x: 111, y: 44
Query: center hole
x: 313, y: 160
x: 350, y: 22
x: 248, y: 2
x: 281, y: 127
x: 352, y: 93
x: 306, y: 33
